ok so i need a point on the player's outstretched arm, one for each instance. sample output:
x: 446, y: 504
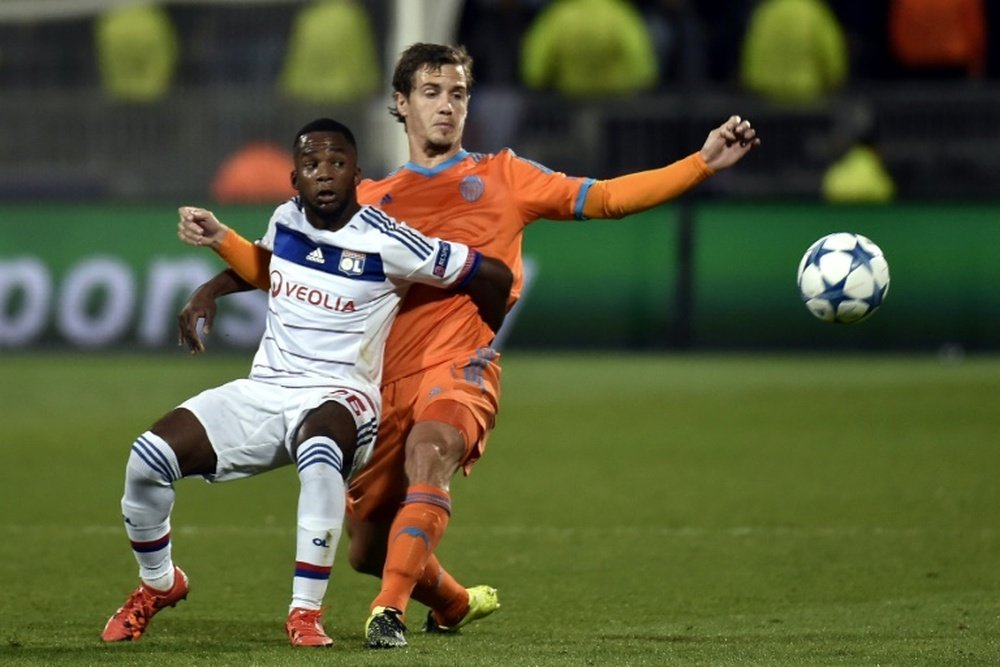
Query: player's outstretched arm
x: 727, y: 144
x: 642, y: 190
x: 489, y: 288
x: 202, y: 306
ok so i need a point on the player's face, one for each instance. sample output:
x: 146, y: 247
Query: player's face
x: 326, y: 174
x: 436, y: 108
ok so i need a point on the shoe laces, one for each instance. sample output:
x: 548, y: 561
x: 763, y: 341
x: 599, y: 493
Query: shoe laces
x: 139, y: 608
x: 394, y: 617
x: 306, y: 621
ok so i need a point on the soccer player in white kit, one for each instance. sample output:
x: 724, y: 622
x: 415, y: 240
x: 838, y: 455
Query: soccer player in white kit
x: 337, y: 274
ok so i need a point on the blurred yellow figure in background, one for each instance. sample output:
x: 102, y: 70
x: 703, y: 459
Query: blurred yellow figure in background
x: 793, y: 51
x: 859, y: 174
x: 858, y: 177
x: 136, y: 52
x: 331, y: 54
x: 589, y: 48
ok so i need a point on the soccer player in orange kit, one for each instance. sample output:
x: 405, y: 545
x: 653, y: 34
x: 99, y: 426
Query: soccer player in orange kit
x: 440, y: 387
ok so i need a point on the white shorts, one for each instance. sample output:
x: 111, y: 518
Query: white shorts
x: 252, y: 424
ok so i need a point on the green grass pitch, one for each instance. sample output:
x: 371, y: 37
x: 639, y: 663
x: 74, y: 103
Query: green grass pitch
x: 633, y: 510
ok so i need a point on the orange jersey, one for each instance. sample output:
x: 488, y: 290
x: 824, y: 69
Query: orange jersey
x: 485, y: 201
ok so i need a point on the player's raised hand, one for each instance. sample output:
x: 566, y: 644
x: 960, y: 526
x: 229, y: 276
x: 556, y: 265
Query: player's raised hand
x: 199, y: 227
x: 727, y: 144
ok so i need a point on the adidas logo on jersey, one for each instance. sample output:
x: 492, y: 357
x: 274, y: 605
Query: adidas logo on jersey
x: 316, y: 256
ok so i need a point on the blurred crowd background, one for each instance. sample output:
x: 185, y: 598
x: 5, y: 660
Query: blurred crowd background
x: 868, y: 100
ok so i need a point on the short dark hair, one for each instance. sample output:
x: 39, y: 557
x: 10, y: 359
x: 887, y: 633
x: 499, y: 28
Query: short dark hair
x: 325, y: 125
x: 434, y: 57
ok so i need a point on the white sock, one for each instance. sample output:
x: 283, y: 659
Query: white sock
x: 320, y: 519
x: 150, y: 474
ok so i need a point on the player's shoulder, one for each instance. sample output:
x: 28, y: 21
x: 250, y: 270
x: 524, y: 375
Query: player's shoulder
x: 502, y: 155
x: 289, y: 212
x: 509, y: 158
x: 289, y: 207
x: 371, y: 184
x: 375, y: 220
x: 383, y: 230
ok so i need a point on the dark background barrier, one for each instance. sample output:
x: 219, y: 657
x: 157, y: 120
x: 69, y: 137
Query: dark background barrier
x: 693, y: 275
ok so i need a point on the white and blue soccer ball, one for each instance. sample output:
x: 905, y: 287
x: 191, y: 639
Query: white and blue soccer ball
x: 843, y: 278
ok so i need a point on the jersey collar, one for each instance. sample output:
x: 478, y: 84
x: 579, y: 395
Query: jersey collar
x: 454, y: 159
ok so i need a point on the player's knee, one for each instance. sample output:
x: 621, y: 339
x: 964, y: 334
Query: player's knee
x: 330, y: 423
x: 434, y: 451
x: 322, y: 456
x: 152, y: 461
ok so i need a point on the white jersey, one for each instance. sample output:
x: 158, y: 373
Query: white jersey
x: 334, y: 294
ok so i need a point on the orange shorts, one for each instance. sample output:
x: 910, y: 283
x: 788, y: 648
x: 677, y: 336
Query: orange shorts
x: 464, y: 393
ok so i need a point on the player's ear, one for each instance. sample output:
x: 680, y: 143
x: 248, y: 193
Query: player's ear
x: 402, y: 103
x: 357, y: 175
x: 294, y: 176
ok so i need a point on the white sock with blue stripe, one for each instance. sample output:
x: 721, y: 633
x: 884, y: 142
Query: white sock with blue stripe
x: 320, y: 519
x: 149, y: 497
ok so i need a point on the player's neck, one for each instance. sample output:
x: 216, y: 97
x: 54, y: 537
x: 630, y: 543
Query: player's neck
x: 332, y: 223
x: 429, y: 156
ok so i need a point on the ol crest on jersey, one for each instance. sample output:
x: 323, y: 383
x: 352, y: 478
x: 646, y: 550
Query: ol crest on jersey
x: 352, y: 263
x: 334, y: 294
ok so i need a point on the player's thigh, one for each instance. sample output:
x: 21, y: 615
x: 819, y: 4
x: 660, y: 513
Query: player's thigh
x: 435, y: 449
x: 246, y: 423
x: 465, y: 395
x: 182, y: 431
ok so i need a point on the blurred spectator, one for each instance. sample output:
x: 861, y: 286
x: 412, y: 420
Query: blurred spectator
x: 794, y: 51
x: 938, y: 38
x: 258, y: 173
x: 331, y: 54
x: 589, y: 48
x: 136, y: 52
x: 859, y: 174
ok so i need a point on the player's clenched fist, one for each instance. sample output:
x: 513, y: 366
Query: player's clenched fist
x: 728, y: 143
x: 199, y: 227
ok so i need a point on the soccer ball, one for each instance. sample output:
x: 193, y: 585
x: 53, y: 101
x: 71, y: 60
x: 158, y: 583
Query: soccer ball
x: 843, y: 278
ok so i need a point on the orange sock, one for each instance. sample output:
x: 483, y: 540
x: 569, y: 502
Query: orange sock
x: 415, y: 533
x: 438, y: 590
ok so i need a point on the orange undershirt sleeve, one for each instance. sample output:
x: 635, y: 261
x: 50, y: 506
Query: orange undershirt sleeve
x: 618, y: 197
x: 248, y: 259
